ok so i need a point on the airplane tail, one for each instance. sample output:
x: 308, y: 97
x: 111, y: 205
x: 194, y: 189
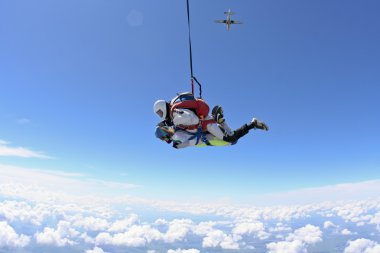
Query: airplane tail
x: 229, y: 13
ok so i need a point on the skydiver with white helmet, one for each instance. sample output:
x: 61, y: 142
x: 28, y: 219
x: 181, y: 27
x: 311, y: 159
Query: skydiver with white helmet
x: 185, y: 122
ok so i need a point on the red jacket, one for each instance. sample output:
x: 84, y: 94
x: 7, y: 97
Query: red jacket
x: 200, y: 108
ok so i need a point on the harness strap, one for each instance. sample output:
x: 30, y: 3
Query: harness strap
x: 192, y: 127
x: 205, y: 140
x: 202, y: 123
x: 199, y: 135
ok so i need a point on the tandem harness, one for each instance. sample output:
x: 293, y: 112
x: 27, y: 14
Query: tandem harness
x: 187, y: 100
x: 199, y: 135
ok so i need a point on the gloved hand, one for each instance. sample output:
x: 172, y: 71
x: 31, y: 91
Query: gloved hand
x: 175, y: 144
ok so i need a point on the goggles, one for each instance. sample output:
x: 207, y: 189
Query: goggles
x: 160, y: 113
x: 162, y: 134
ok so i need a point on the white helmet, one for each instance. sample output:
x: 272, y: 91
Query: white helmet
x: 160, y: 109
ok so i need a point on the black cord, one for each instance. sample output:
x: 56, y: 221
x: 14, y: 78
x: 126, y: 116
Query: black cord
x: 191, y: 53
x: 188, y: 24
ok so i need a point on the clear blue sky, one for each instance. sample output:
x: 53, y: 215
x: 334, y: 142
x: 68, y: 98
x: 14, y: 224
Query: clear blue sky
x: 78, y: 80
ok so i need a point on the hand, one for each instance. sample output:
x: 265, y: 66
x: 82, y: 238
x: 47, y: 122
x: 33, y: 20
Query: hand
x: 175, y: 144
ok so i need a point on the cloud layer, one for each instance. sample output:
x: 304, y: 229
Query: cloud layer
x: 29, y: 223
x: 48, y: 210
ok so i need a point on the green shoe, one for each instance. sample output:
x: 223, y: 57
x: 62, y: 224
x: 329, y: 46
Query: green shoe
x: 217, y: 114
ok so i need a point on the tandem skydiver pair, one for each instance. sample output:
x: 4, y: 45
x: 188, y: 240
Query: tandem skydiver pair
x: 185, y: 122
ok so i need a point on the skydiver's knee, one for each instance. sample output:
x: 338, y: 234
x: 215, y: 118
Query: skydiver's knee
x: 215, y: 130
x: 231, y: 138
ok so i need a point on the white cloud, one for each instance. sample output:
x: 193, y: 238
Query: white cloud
x: 346, y: 232
x: 9, y: 237
x: 160, y: 222
x: 309, y: 234
x: 62, y: 236
x: 297, y: 241
x: 359, y: 212
x: 57, y: 186
x: 328, y: 224
x: 362, y: 246
x: 122, y: 225
x: 17, y: 211
x: 338, y: 192
x: 87, y: 239
x: 256, y: 228
x: 217, y: 238
x: 6, y: 150
x: 135, y: 236
x: 183, y: 251
x: 248, y: 228
x: 280, y: 227
x: 203, y: 228
x: 121, y: 239
x: 96, y: 250
x: 376, y: 220
x: 286, y: 247
x: 177, y: 230
x: 90, y: 223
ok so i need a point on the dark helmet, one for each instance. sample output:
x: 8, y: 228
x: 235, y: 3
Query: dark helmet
x: 163, y: 133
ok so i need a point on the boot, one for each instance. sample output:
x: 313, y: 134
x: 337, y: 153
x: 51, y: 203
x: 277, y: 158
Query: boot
x: 217, y: 114
x: 257, y: 124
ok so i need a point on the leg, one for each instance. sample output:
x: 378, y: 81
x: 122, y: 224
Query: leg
x: 237, y: 134
x: 215, y: 130
x: 226, y: 128
x: 240, y: 132
x: 217, y: 114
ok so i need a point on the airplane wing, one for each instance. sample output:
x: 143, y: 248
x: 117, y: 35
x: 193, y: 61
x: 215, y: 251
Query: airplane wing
x: 221, y: 21
x: 236, y: 22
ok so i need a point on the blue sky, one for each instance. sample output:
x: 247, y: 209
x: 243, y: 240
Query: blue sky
x: 81, y: 170
x: 79, y: 78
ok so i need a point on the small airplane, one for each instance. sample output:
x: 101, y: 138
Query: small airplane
x: 228, y: 21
